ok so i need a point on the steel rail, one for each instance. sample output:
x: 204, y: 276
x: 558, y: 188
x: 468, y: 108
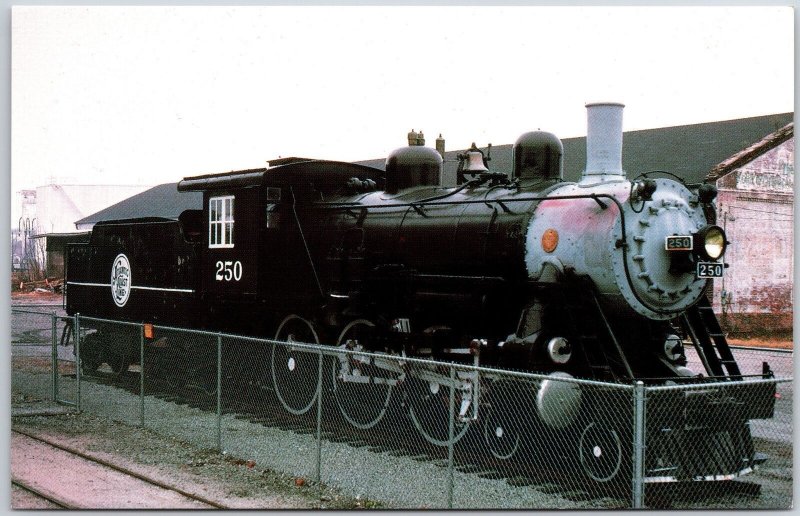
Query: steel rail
x: 16, y: 309
x: 754, y: 349
x: 41, y: 494
x: 780, y: 351
x: 123, y: 470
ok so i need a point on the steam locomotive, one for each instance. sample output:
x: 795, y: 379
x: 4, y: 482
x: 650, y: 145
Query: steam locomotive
x: 600, y: 279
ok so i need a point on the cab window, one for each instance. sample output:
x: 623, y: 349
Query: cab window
x: 220, y: 221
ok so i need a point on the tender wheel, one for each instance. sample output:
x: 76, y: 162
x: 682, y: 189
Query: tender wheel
x: 601, y: 452
x: 429, y: 409
x: 361, y: 389
x: 295, y: 370
x: 117, y: 360
x: 90, y: 355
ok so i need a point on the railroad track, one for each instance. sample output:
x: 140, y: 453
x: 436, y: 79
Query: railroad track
x: 40, y: 495
x: 140, y: 491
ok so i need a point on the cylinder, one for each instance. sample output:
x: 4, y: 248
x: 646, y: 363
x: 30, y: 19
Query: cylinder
x: 604, y: 139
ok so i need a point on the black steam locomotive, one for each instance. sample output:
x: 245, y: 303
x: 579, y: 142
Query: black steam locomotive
x: 601, y: 279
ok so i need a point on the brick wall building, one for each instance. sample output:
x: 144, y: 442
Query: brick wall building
x: 755, y: 206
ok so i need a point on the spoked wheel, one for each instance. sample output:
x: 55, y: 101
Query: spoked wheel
x: 295, y: 370
x: 501, y: 435
x: 362, y: 390
x: 501, y: 423
x: 601, y: 452
x: 429, y: 410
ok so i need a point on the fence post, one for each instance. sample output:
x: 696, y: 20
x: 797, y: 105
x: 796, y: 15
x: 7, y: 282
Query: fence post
x: 319, y: 420
x: 638, y: 445
x: 54, y: 352
x: 219, y: 392
x: 77, y: 327
x: 450, y: 437
x: 141, y: 375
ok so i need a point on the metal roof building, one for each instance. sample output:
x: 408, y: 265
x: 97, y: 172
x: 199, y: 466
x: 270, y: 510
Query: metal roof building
x: 160, y: 201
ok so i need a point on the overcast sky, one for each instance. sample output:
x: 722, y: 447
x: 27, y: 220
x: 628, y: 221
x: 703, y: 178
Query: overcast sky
x: 148, y: 95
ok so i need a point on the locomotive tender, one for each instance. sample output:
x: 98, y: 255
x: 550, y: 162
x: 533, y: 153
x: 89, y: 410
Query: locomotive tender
x: 595, y: 279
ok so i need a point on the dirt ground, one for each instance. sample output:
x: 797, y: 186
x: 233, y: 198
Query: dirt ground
x: 19, y: 297
x: 231, y: 481
x: 75, y: 481
x: 762, y: 343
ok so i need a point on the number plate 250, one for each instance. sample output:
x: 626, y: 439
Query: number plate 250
x: 710, y: 270
x: 229, y: 271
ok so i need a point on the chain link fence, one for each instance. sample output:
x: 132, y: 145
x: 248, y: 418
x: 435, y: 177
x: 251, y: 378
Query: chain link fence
x: 35, y: 339
x: 413, y: 433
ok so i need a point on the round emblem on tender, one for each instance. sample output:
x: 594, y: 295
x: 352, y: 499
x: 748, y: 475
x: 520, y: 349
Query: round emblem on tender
x: 121, y: 280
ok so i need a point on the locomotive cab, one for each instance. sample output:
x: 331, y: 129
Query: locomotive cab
x: 255, y: 242
x: 246, y: 221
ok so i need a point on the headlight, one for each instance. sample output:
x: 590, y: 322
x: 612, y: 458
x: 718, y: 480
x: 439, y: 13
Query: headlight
x: 710, y: 242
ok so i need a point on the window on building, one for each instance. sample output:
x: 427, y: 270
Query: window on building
x: 220, y: 221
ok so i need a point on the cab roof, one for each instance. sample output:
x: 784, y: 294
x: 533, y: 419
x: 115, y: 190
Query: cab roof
x: 321, y: 175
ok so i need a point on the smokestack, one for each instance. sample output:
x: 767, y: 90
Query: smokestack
x: 604, y: 140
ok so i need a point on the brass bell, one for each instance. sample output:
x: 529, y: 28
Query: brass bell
x: 474, y: 163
